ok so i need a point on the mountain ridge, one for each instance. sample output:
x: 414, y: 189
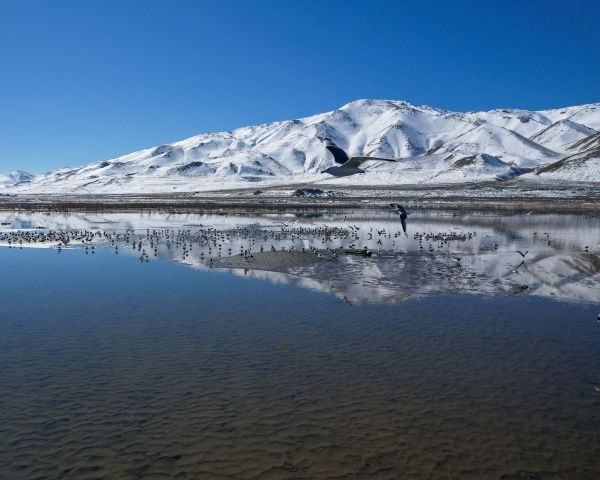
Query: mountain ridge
x: 428, y: 142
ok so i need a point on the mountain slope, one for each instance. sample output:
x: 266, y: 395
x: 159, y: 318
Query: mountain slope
x: 433, y: 145
x: 582, y: 165
x: 13, y: 179
x: 562, y: 134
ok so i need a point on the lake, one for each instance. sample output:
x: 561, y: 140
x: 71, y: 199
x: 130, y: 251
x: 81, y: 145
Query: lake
x: 160, y: 345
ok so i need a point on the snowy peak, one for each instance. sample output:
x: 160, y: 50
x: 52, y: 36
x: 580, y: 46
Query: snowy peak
x: 12, y: 179
x: 430, y: 144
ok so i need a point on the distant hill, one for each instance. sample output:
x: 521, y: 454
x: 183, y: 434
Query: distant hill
x: 18, y: 177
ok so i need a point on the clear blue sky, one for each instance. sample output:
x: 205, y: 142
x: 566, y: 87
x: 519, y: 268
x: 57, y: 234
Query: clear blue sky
x: 89, y: 80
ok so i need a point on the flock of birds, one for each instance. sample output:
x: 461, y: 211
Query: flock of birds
x: 247, y: 240
x: 217, y: 243
x: 214, y: 247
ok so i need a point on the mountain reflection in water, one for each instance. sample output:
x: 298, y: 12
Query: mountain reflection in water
x: 443, y: 253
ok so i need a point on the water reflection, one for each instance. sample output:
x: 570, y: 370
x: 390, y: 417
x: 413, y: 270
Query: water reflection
x: 542, y: 255
x: 119, y: 364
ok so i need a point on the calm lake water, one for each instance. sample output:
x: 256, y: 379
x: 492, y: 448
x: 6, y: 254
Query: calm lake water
x: 126, y: 353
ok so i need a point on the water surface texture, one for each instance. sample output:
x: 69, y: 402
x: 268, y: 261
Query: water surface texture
x: 138, y: 346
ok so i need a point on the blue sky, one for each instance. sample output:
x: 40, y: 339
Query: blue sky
x: 89, y: 80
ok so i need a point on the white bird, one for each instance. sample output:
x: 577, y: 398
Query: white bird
x: 347, y: 165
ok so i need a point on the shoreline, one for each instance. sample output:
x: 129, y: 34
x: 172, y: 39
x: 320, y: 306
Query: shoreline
x: 506, y: 197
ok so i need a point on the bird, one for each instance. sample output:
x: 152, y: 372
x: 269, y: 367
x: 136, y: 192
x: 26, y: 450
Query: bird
x: 399, y: 209
x: 522, y: 254
x: 347, y: 165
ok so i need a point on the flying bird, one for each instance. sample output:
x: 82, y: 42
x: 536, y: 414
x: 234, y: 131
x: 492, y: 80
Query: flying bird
x: 523, y: 254
x: 399, y: 209
x: 347, y: 165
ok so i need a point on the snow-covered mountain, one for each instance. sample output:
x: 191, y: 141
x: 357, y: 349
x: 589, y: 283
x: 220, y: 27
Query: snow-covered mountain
x: 432, y: 146
x: 18, y: 177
